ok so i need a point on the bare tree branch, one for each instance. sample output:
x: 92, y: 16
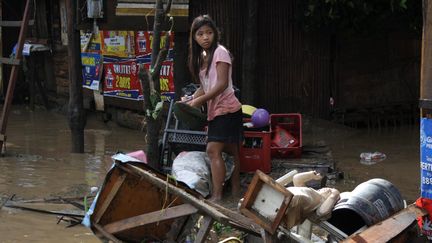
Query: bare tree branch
x: 168, y: 7
x: 162, y: 56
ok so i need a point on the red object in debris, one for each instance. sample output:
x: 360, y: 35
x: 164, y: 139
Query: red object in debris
x: 255, y: 152
x: 292, y: 124
x: 282, y: 138
x: 424, y: 222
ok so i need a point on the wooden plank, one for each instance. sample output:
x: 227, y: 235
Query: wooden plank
x: 106, y: 234
x: 68, y: 213
x: 149, y: 218
x: 199, y: 204
x: 13, y: 195
x: 10, y: 61
x: 114, y: 22
x: 109, y: 198
x: 63, y: 22
x: 389, y: 228
x: 151, y: 1
x: 176, y: 229
x: 204, y: 229
x: 266, y: 237
x: 237, y: 220
x: 142, y: 9
x: 188, y: 227
x: 14, y: 23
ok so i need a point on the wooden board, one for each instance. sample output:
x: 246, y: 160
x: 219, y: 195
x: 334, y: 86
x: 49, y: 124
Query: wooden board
x: 389, y: 228
x: 147, y: 9
x: 149, y: 218
x: 123, y: 197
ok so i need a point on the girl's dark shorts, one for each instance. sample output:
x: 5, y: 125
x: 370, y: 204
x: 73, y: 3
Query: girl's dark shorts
x: 226, y: 128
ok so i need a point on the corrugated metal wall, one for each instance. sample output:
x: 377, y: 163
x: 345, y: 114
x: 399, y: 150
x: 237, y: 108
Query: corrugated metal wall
x: 293, y: 66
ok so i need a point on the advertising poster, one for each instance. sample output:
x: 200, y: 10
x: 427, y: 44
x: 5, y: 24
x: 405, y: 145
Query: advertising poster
x: 118, y: 44
x: 91, y: 42
x: 121, y: 80
x: 166, y: 78
x: 143, y: 43
x: 91, y: 70
x: 426, y: 157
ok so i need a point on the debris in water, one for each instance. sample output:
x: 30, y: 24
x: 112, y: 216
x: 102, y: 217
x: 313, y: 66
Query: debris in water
x: 372, y: 158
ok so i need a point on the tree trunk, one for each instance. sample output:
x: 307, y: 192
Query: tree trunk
x: 76, y: 113
x: 151, y: 85
x: 250, y: 55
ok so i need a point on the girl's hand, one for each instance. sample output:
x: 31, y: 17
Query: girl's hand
x: 195, y: 103
x: 186, y: 99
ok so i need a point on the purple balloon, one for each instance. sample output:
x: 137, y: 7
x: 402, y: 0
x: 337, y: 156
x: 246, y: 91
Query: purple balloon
x: 260, y: 118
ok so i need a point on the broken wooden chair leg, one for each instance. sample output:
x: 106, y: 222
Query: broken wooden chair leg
x: 204, y: 229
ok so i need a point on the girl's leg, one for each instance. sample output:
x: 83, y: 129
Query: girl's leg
x: 217, y: 164
x: 233, y: 149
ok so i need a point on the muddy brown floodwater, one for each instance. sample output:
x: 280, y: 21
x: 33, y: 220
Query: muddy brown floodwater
x: 38, y: 164
x: 400, y: 144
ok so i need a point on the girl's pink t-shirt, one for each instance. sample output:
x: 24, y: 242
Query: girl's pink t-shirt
x: 226, y: 102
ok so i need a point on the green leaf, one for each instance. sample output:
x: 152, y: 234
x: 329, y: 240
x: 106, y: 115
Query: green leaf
x: 154, y: 98
x: 402, y: 4
x: 157, y: 109
x: 85, y: 204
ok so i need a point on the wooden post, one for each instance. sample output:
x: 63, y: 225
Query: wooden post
x: 426, y: 61
x: 76, y: 115
x: 47, y: 62
x: 1, y: 51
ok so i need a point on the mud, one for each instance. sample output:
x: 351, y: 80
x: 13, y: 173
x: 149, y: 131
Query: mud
x: 38, y: 164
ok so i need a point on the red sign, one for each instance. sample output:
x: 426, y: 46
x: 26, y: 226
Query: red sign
x: 121, y: 80
x: 144, y: 39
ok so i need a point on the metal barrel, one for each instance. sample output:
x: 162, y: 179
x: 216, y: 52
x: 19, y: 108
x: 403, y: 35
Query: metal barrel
x: 370, y: 202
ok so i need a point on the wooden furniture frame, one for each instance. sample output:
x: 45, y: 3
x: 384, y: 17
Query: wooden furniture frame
x: 265, y: 195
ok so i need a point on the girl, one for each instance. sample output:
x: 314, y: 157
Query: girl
x: 210, y: 64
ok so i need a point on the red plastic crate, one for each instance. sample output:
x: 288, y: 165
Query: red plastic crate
x: 291, y: 122
x: 255, y: 152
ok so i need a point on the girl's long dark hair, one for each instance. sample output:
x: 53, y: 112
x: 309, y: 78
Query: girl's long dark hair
x: 195, y: 59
